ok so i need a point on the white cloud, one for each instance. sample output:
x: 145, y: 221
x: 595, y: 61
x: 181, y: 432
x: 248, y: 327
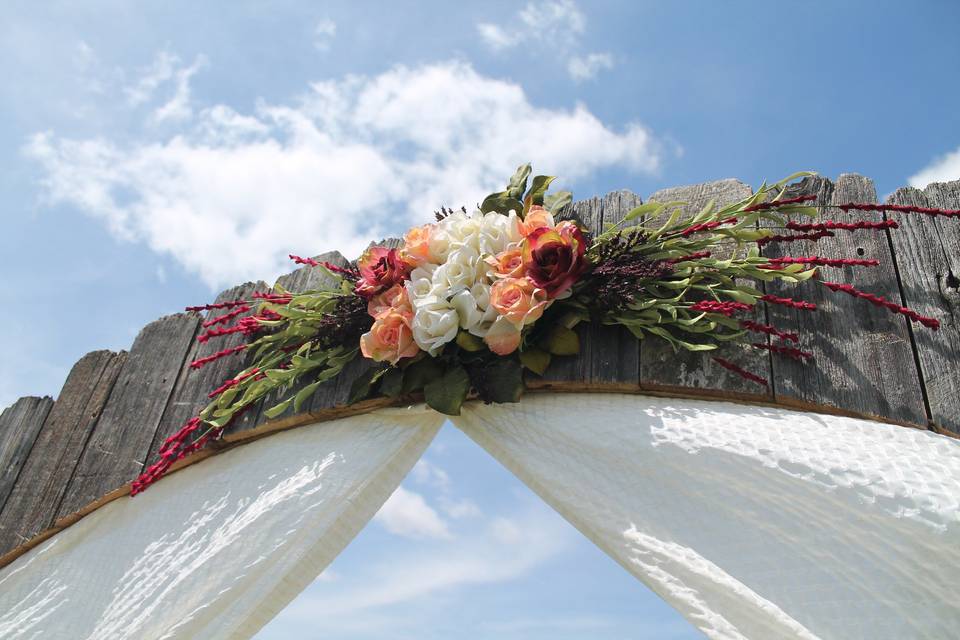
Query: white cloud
x: 228, y: 195
x: 166, y: 68
x: 487, y: 557
x: 554, y: 24
x: 942, y: 169
x: 324, y: 33
x: 585, y: 67
x: 427, y: 473
x: 407, y: 514
x: 460, y: 509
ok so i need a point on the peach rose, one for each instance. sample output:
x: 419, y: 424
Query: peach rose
x: 394, y: 298
x: 416, y: 246
x: 536, y: 218
x: 508, y: 264
x: 518, y: 300
x: 389, y: 339
x: 503, y: 337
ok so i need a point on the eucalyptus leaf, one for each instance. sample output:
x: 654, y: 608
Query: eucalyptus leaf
x: 304, y: 394
x: 276, y: 410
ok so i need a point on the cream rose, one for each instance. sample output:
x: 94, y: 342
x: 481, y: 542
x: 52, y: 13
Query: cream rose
x: 503, y: 337
x: 435, y: 323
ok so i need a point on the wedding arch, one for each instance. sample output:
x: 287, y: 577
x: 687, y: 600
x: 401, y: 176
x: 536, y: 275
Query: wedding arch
x: 759, y: 497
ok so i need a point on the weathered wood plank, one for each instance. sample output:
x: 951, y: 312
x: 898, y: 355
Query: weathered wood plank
x: 660, y: 367
x: 190, y: 395
x: 118, y: 446
x: 863, y: 359
x: 928, y: 259
x: 38, y: 491
x: 19, y: 425
x: 607, y: 354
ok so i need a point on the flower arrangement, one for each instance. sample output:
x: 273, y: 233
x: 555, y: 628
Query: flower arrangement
x: 470, y: 302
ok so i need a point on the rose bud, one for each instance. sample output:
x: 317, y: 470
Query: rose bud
x: 555, y: 258
x: 380, y: 268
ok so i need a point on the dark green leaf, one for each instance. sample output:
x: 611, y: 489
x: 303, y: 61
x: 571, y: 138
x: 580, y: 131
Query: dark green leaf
x: 447, y: 393
x: 469, y: 342
x: 561, y: 341
x: 537, y: 360
x: 360, y: 388
x: 503, y: 380
x: 392, y: 383
x: 500, y: 203
x: 518, y: 182
x: 420, y: 373
x: 538, y: 188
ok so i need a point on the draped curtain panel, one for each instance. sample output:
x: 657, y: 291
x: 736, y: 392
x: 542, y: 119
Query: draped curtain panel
x: 219, y: 548
x: 752, y: 522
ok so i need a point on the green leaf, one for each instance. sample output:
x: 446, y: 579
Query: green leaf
x: 556, y: 201
x: 537, y: 360
x: 469, y: 342
x: 643, y: 211
x: 501, y: 203
x: 518, y: 182
x: 391, y: 385
x: 561, y: 341
x: 538, y: 188
x: 420, y: 373
x: 504, y: 380
x: 447, y: 392
x: 360, y: 388
x: 304, y: 394
x: 276, y: 410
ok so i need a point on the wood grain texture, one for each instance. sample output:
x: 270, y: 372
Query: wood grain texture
x: 190, y: 395
x: 928, y: 260
x: 38, y: 491
x: 607, y: 354
x: 19, y: 425
x: 116, y: 450
x: 663, y: 368
x: 863, y: 358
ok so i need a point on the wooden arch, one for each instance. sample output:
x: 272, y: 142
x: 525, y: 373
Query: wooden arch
x: 61, y: 460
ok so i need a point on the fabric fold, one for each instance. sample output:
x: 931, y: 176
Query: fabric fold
x: 219, y: 548
x: 752, y: 522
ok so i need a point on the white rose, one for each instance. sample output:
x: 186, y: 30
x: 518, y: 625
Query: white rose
x: 435, y: 323
x: 438, y: 245
x: 459, y: 272
x: 473, y: 307
x: 420, y: 285
x: 497, y: 232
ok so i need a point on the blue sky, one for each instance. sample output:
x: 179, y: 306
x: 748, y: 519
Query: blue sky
x: 154, y: 154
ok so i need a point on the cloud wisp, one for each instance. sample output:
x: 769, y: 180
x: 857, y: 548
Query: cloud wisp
x: 557, y: 24
x: 228, y: 194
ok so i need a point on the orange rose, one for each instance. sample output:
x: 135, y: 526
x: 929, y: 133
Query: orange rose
x: 416, y: 245
x: 537, y: 217
x: 389, y: 339
x: 518, y: 300
x: 509, y: 263
x: 394, y: 298
x: 555, y: 258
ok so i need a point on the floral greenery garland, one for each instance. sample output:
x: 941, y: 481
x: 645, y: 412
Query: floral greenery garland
x: 470, y: 301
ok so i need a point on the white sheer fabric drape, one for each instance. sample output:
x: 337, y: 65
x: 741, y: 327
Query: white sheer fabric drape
x: 752, y: 522
x: 216, y: 550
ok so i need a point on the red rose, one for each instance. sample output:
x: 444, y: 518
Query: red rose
x: 554, y: 257
x: 380, y: 268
